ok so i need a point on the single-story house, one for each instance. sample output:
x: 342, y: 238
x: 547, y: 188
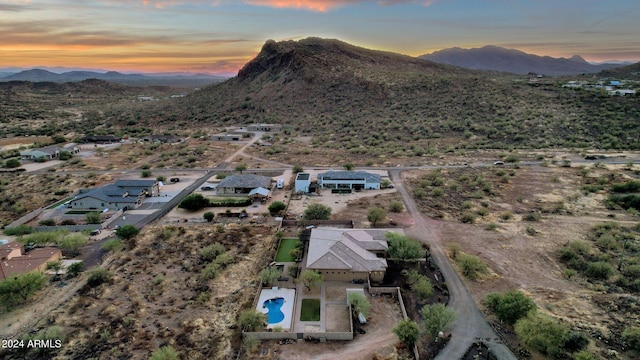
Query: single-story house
x: 226, y: 137
x: 356, y: 180
x: 303, y: 180
x: 135, y: 187
x: 348, y: 254
x: 242, y: 184
x: 101, y: 139
x: 165, y: 139
x: 14, y: 260
x: 47, y: 152
x: 264, y: 127
x: 124, y: 194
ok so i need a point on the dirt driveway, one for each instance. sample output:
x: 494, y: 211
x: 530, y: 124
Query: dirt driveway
x: 337, y: 202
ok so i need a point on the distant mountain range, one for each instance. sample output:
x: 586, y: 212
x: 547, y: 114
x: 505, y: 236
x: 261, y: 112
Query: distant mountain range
x: 176, y: 79
x: 515, y: 61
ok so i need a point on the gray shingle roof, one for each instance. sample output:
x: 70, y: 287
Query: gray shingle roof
x: 135, y: 183
x: 247, y: 181
x: 108, y: 193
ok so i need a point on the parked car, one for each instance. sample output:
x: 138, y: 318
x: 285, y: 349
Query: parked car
x: 390, y: 186
x: 498, y: 163
x: 174, y: 180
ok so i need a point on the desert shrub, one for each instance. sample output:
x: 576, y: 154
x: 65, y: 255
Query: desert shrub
x: 15, y: 290
x: 510, y: 306
x: 376, y: 215
x: 317, y: 212
x: 360, y: 303
x: 492, y: 226
x: 75, y: 269
x: 209, y: 216
x: 270, y: 275
x: 210, y: 272
x: 164, y: 353
x: 454, y: 250
x: 12, y: 163
x: 250, y: 344
x: 420, y: 285
x: 436, y: 318
x: 224, y: 260
x: 407, y: 332
x: 599, y: 270
x: 194, y: 202
x: 530, y: 230
x: 468, y: 217
x: 98, y: 277
x: 631, y: 186
x: 112, y: 245
x: 251, y: 320
x: 542, y: 333
x: 276, y: 207
x: 18, y: 230
x: 93, y: 217
x: 631, y: 336
x: 396, y: 206
x: 575, y: 341
x: 403, y: 247
x: 472, y: 267
x: 47, y: 222
x: 531, y: 217
x: 210, y: 252
x: 507, y: 215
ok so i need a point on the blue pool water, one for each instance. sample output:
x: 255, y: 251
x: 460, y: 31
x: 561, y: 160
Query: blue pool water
x: 275, y: 315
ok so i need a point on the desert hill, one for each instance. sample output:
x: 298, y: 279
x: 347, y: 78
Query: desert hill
x: 376, y: 103
x: 624, y: 72
x: 514, y: 61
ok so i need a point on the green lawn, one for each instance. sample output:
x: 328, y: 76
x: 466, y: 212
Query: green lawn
x: 79, y: 212
x: 286, y: 245
x: 310, y: 310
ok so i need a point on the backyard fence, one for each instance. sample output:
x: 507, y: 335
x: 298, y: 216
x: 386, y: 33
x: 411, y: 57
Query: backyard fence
x: 71, y: 228
x: 318, y: 223
x: 26, y: 218
x: 111, y: 219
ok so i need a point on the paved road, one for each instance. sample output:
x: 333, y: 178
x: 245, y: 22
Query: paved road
x: 470, y: 324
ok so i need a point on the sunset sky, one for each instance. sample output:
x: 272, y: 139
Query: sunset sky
x: 219, y: 36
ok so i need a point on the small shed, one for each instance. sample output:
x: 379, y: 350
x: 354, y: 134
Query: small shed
x: 259, y: 193
x: 303, y: 180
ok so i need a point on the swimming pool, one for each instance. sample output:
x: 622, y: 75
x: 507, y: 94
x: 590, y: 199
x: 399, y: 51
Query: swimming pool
x: 277, y: 304
x: 274, y: 314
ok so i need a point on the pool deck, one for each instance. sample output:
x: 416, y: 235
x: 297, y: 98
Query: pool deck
x: 289, y: 296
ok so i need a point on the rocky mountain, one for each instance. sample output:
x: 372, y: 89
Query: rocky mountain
x: 376, y: 103
x: 513, y: 61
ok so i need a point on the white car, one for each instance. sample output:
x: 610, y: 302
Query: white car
x: 498, y: 163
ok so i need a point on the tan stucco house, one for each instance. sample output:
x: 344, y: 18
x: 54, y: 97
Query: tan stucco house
x: 348, y: 254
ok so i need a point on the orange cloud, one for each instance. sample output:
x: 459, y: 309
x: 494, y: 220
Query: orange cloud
x: 326, y: 5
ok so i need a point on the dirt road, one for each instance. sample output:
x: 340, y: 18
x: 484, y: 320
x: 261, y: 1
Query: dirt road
x: 470, y: 325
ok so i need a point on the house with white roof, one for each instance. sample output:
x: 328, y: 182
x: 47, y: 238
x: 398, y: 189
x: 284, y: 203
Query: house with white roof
x: 355, y: 180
